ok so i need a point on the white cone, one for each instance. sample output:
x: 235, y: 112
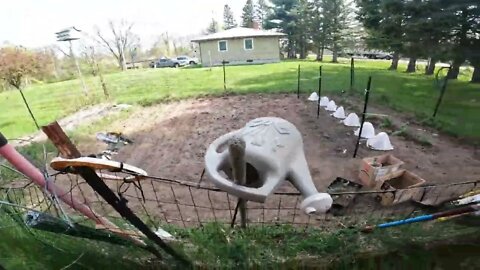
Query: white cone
x: 331, y: 106
x: 324, y: 102
x: 352, y: 120
x: 313, y: 96
x: 380, y: 142
x: 339, y: 113
x: 367, y: 132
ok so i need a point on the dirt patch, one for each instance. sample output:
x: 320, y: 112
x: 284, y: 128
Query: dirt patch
x: 82, y: 117
x: 170, y: 141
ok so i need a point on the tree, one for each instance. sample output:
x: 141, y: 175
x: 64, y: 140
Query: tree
x: 17, y: 64
x: 248, y: 15
x: 335, y: 22
x: 383, y: 21
x: 317, y: 25
x: 474, y: 58
x: 283, y: 17
x: 413, y: 11
x: 466, y: 29
x: 228, y: 19
x: 95, y: 67
x: 262, y: 11
x: 212, y: 27
x: 121, y: 40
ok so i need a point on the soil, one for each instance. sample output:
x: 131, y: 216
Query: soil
x: 170, y: 140
x: 82, y: 117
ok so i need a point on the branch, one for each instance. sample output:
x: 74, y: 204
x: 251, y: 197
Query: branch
x: 106, y: 44
x: 62, y: 51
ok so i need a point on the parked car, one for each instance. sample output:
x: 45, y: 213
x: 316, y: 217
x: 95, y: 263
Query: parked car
x: 188, y: 60
x: 385, y: 56
x: 167, y: 62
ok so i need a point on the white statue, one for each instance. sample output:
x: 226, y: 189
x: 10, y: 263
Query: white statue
x: 273, y: 153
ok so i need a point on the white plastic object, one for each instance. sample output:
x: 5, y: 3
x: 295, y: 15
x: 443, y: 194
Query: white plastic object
x: 367, y: 132
x: 352, y: 120
x: 313, y: 96
x: 339, y: 113
x: 324, y: 102
x: 331, y: 106
x: 164, y: 235
x: 380, y: 142
x: 274, y: 149
x: 317, y: 203
x: 467, y: 200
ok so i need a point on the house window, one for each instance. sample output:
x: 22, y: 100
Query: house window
x: 248, y: 44
x: 222, y: 46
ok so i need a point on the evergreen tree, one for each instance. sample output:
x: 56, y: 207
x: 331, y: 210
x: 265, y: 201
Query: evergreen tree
x: 335, y: 21
x: 228, y: 18
x: 283, y: 17
x: 212, y: 27
x: 262, y: 11
x: 248, y: 15
x: 301, y: 21
x: 384, y: 22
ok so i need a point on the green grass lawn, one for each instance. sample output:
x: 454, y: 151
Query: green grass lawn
x: 415, y: 94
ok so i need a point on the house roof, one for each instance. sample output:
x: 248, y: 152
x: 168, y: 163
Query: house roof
x: 239, y: 32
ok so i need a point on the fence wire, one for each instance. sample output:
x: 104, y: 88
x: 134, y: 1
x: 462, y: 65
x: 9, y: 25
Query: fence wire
x: 190, y: 205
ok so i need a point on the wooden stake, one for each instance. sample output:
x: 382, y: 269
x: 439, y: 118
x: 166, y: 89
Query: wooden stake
x: 236, y: 148
x: 67, y: 148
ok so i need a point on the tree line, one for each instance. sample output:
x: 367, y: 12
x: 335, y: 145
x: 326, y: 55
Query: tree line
x: 436, y: 30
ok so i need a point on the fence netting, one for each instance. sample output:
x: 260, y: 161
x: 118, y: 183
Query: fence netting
x: 159, y: 201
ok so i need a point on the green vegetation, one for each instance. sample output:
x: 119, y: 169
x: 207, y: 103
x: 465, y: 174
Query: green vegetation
x: 284, y: 246
x: 413, y: 94
x: 24, y: 248
x: 220, y: 247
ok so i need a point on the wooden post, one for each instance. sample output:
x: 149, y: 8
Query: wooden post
x: 66, y: 148
x: 298, y: 82
x: 236, y: 149
x: 367, y: 93
x: 319, y: 90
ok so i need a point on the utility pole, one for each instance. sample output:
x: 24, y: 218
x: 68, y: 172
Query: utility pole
x: 69, y: 35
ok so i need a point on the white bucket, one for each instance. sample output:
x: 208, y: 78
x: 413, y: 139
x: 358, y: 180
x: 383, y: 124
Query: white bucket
x: 367, y: 132
x: 352, y: 120
x: 339, y: 113
x: 313, y: 96
x: 324, y: 102
x: 331, y: 106
x: 380, y: 142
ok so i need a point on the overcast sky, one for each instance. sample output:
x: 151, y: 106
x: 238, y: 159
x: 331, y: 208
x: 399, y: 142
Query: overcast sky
x: 32, y: 23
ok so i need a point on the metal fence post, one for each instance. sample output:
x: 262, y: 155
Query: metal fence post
x: 352, y: 73
x: 442, y: 92
x: 298, y: 83
x: 367, y: 93
x: 224, y: 76
x: 319, y: 90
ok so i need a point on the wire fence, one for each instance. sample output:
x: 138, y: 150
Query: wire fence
x: 161, y: 201
x: 187, y: 204
x: 149, y: 86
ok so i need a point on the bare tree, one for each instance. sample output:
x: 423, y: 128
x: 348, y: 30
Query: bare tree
x: 91, y: 58
x: 119, y: 42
